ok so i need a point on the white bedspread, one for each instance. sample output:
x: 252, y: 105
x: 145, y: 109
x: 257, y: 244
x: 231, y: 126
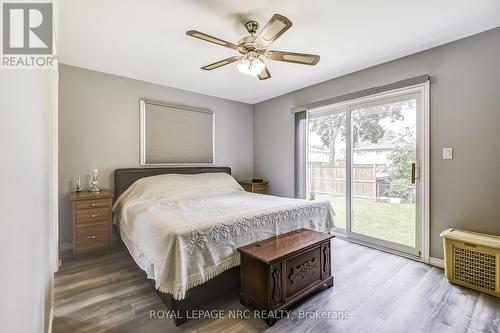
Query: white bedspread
x: 184, y: 229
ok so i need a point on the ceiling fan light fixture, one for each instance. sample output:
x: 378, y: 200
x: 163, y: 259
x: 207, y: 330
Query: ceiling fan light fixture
x: 251, y: 66
x: 253, y: 49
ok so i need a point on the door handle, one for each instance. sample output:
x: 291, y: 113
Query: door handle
x: 415, y: 173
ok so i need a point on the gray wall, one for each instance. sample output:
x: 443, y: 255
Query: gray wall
x: 26, y: 145
x: 465, y: 115
x: 99, y: 128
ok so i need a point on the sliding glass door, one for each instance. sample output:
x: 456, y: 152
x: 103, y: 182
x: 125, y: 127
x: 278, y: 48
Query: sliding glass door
x: 327, y: 167
x: 364, y: 157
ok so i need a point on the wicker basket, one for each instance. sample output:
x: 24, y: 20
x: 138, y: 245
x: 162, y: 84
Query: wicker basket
x: 472, y: 260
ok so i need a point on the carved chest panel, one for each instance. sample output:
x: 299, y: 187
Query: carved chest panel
x: 302, y: 270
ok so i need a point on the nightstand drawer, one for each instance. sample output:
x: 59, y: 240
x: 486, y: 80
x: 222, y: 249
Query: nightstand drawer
x: 260, y: 188
x: 92, y: 215
x: 254, y: 187
x: 92, y: 237
x: 95, y: 203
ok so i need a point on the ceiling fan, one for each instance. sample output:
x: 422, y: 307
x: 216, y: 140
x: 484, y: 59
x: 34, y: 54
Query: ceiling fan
x: 254, y: 48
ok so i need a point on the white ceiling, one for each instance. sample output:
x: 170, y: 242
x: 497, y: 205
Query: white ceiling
x: 146, y: 40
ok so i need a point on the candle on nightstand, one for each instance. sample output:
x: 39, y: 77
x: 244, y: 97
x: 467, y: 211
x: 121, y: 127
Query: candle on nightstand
x: 95, y: 171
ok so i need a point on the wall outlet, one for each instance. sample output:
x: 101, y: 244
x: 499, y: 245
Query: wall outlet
x: 447, y: 153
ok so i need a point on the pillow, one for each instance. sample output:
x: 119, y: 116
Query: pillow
x: 178, y: 187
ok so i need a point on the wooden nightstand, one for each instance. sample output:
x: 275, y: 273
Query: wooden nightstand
x: 251, y: 186
x: 91, y: 222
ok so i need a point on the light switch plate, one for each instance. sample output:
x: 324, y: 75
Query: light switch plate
x: 447, y: 153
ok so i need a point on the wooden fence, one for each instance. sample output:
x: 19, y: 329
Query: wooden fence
x: 327, y: 179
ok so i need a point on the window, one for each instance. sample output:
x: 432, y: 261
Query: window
x: 175, y: 135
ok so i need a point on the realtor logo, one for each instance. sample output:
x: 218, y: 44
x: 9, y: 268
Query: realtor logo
x: 27, y: 35
x: 27, y: 28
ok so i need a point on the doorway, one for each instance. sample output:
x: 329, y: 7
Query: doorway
x: 368, y: 157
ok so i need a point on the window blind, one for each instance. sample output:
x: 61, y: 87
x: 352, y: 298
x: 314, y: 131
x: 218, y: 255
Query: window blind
x: 176, y: 135
x: 300, y: 154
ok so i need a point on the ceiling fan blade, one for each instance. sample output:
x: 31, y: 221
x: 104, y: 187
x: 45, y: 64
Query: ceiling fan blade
x: 211, y: 39
x: 221, y: 63
x: 276, y: 27
x: 264, y: 75
x: 298, y: 58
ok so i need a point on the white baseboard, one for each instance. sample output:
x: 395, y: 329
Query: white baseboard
x: 436, y: 262
x: 51, y: 320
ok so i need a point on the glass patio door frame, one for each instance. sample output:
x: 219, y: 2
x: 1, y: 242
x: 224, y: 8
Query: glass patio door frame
x: 421, y: 249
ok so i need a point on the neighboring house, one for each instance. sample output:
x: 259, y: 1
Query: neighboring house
x: 373, y: 153
x: 376, y: 153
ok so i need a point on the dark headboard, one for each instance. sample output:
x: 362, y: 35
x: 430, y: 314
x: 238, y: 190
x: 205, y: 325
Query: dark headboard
x: 126, y: 177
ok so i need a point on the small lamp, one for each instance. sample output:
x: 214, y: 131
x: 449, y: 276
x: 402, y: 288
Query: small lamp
x: 94, y: 187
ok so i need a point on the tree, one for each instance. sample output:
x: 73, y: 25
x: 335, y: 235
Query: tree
x: 400, y: 160
x: 365, y: 125
x: 329, y: 128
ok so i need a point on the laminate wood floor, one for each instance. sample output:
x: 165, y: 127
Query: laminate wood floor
x: 379, y: 292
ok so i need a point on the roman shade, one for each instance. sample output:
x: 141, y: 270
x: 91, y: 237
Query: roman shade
x: 176, y: 135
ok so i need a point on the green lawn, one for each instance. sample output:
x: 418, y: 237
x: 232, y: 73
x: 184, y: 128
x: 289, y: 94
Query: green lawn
x: 392, y: 222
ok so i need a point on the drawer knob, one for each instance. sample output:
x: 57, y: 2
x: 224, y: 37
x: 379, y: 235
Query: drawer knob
x: 94, y: 216
x: 93, y: 204
x: 91, y: 237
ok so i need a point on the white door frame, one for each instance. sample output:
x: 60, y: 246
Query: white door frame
x: 424, y: 169
x: 54, y: 176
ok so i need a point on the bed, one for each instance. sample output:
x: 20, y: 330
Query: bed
x: 183, y: 226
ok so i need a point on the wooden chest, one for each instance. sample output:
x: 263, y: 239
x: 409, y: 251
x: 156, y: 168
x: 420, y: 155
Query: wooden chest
x: 280, y: 271
x: 91, y: 223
